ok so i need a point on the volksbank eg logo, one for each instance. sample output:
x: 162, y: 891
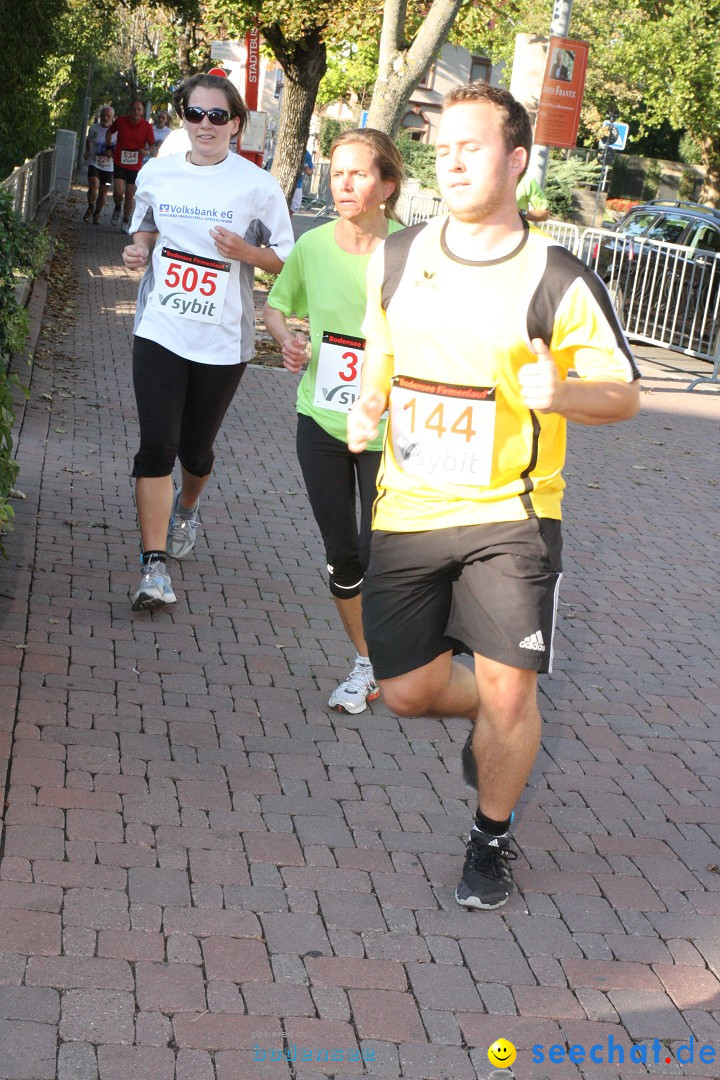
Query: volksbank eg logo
x: 184, y: 210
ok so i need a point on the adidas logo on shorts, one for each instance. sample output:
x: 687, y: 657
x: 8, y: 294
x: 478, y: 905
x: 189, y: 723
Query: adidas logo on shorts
x: 534, y: 642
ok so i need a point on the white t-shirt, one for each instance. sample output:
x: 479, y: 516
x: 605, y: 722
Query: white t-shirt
x: 161, y: 134
x: 193, y: 302
x: 177, y: 140
x: 96, y: 136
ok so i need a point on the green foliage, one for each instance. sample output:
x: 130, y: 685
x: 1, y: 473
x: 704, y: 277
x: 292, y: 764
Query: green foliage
x: 690, y: 150
x: 651, y: 183
x: 618, y: 178
x: 563, y: 176
x: 329, y: 129
x: 419, y: 160
x: 22, y: 251
x: 352, y: 70
x: 47, y: 52
x: 689, y: 183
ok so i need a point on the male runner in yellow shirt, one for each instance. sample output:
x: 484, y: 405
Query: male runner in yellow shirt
x: 473, y: 323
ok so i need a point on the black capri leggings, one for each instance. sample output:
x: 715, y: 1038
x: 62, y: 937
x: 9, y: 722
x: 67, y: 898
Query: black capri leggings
x: 332, y: 475
x: 181, y: 405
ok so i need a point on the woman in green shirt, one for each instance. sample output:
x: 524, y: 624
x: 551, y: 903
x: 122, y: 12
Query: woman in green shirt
x: 324, y: 279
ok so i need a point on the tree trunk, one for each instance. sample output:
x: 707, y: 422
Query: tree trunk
x: 304, y: 64
x: 400, y: 68
x: 710, y: 192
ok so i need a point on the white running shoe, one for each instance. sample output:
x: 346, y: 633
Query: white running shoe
x: 182, y: 530
x: 115, y: 216
x: 125, y: 228
x: 352, y: 695
x: 155, y: 588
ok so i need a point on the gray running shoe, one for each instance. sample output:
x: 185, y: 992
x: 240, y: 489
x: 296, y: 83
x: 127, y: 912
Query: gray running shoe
x: 182, y: 530
x: 487, y: 881
x: 155, y: 588
x: 352, y: 695
x: 115, y: 216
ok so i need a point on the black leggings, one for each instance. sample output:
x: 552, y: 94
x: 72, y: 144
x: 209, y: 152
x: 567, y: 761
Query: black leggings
x: 332, y: 473
x: 181, y: 405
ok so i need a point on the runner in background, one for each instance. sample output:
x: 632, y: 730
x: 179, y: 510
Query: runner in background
x: 306, y: 169
x: 100, y: 164
x: 207, y: 218
x: 532, y: 200
x: 161, y: 127
x: 324, y: 278
x: 134, y: 136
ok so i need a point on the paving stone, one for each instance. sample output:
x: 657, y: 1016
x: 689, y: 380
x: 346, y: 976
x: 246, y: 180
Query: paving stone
x: 386, y: 1014
x: 98, y: 1016
x: 170, y: 988
x: 644, y: 1013
x: 359, y: 911
x: 29, y: 1003
x: 76, y: 1061
x: 444, y: 984
x: 166, y: 888
x: 359, y: 974
x: 233, y: 960
x: 28, y: 1051
x: 435, y: 1062
x: 120, y: 1062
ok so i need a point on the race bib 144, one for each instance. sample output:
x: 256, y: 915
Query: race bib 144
x: 441, y: 433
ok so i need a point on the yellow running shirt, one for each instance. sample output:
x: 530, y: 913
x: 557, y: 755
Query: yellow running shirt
x: 461, y: 447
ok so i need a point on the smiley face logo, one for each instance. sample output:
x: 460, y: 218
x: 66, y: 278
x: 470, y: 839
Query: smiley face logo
x: 502, y: 1054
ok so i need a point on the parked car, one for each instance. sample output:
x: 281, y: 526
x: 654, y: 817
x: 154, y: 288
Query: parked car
x: 661, y: 264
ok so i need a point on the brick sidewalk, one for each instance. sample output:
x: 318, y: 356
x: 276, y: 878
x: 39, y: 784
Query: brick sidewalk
x: 198, y: 856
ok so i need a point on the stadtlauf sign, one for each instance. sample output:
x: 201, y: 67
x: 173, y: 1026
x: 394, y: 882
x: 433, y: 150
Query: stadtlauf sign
x: 562, y: 92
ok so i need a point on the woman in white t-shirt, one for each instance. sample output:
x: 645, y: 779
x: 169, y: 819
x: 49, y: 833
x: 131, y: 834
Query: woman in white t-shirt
x: 207, y: 218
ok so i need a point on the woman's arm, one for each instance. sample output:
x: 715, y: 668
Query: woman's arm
x: 136, y: 254
x: 294, y: 346
x: 232, y: 246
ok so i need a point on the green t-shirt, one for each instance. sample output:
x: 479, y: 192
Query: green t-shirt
x: 529, y: 195
x: 321, y: 281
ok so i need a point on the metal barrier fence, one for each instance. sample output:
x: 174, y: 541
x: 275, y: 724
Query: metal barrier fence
x: 566, y: 234
x: 31, y: 183
x: 412, y: 209
x: 665, y: 294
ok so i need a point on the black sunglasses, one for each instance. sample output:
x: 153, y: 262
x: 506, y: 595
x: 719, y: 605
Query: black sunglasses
x: 217, y: 117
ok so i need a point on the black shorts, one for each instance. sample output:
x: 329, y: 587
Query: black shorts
x: 130, y: 176
x: 492, y: 588
x: 105, y: 176
x: 332, y: 477
x: 181, y: 405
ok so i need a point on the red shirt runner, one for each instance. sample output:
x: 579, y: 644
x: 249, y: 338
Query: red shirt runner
x: 131, y: 140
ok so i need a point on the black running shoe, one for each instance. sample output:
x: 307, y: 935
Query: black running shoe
x: 487, y: 881
x: 469, y: 766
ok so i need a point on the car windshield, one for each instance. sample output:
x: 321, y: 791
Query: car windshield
x: 669, y: 228
x: 636, y: 224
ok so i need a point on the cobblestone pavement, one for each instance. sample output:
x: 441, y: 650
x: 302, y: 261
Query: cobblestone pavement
x: 198, y: 856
